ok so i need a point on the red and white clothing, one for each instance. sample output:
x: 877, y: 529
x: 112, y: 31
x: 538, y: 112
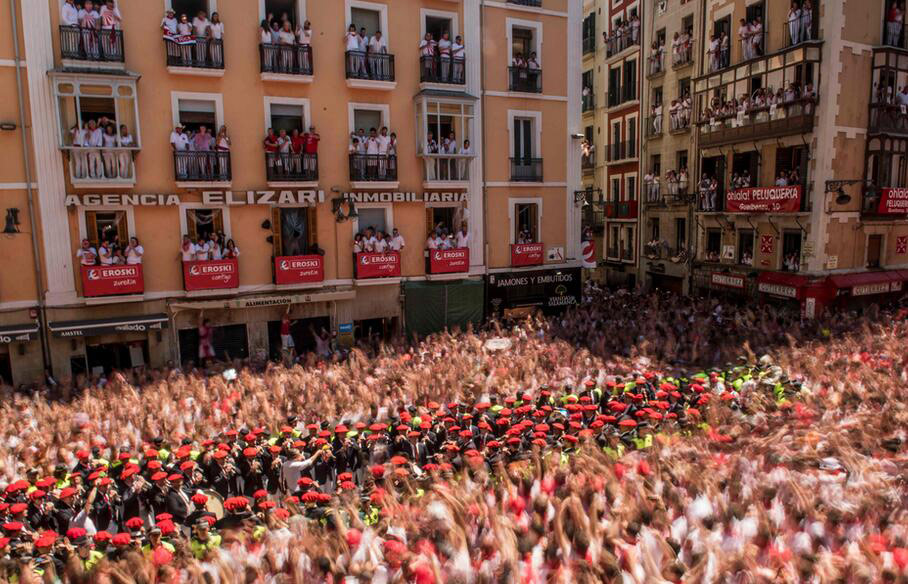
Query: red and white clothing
x: 206, y: 342
x: 87, y: 255
x: 110, y: 18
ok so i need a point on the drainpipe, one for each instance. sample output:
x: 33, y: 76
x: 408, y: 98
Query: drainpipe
x: 482, y: 101
x: 39, y: 277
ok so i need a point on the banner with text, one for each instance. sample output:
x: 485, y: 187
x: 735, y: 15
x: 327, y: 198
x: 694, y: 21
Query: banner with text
x: 448, y: 261
x: 377, y: 265
x: 299, y: 269
x: 527, y: 254
x: 764, y: 200
x: 112, y: 280
x: 211, y: 275
x: 893, y: 202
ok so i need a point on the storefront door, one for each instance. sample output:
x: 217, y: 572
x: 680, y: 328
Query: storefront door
x: 230, y: 342
x: 302, y: 331
x: 104, y: 358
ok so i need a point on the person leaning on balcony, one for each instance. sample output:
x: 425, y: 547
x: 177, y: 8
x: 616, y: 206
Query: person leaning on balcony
x: 311, y: 140
x: 381, y: 242
x: 69, y: 13
x: 378, y: 65
x: 231, y: 251
x: 304, y: 42
x: 744, y: 32
x: 635, y: 28
x: 369, y: 240
x: 372, y: 161
x: 794, y: 23
x: 458, y: 56
x: 444, y: 53
x: 284, y: 145
x: 657, y: 117
x: 358, y: 244
x: 427, y: 56
x: 202, y: 249
x: 431, y: 148
x: 78, y: 152
x: 216, y: 32
x: 187, y: 249
x: 184, y: 28
x: 532, y: 62
x: 895, y: 17
x: 756, y: 36
x: 214, y: 246
x: 384, y: 145
x: 134, y: 252
x: 396, y: 242
x: 93, y: 141
x: 124, y: 158
x: 434, y: 241
x: 110, y: 20
x: 286, y: 39
x: 200, y: 29
x: 105, y: 254
x: 108, y: 154
x: 463, y: 237
x: 89, y: 22
x: 87, y: 254
x: 271, y: 148
x: 351, y: 46
x: 169, y: 24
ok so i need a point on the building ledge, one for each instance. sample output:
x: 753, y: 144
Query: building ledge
x: 210, y: 293
x: 287, y: 78
x: 370, y: 84
x: 93, y: 66
x: 623, y: 53
x: 374, y: 185
x: 622, y: 161
x: 101, y: 300
x: 309, y: 286
x: 445, y: 184
x: 103, y: 184
x: 447, y: 277
x: 623, y: 105
x: 300, y: 184
x: 195, y: 71
x: 377, y: 281
x: 426, y: 86
x: 200, y: 184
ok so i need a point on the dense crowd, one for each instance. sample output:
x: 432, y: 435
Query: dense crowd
x: 587, y: 448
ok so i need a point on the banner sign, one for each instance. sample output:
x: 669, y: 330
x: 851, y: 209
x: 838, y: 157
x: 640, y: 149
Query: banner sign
x: 547, y: 289
x: 877, y: 288
x: 377, y: 265
x: 447, y: 261
x: 764, y: 200
x: 778, y: 290
x: 303, y: 198
x: 18, y: 334
x: 182, y: 39
x: 893, y: 202
x: 401, y: 197
x: 526, y: 254
x: 88, y: 328
x: 299, y: 269
x: 112, y: 280
x: 727, y: 280
x: 211, y: 275
x: 589, y: 254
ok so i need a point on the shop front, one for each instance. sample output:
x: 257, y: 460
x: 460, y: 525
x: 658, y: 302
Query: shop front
x: 863, y: 288
x: 666, y: 276
x: 810, y: 295
x: 15, y: 343
x: 520, y: 294
x: 431, y: 307
x: 103, y: 345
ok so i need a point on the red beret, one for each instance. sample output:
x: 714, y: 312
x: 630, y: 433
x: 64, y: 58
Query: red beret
x: 121, y: 539
x: 159, y: 476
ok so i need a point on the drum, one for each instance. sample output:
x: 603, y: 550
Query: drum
x: 215, y: 503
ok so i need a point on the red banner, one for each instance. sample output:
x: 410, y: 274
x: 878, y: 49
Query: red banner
x: 299, y: 269
x: 764, y: 200
x: 893, y: 202
x: 211, y: 275
x: 112, y: 280
x: 448, y: 261
x: 526, y: 254
x: 378, y: 265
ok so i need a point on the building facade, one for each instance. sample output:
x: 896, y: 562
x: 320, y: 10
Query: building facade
x: 292, y: 211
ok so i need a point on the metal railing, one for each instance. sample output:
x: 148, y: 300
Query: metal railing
x: 719, y: 59
x: 371, y: 66
x: 653, y: 126
x: 286, y: 59
x: 894, y: 35
x: 593, y: 216
x: 589, y: 44
x: 101, y: 164
x: 447, y: 167
x: 793, y: 117
x: 619, y: 42
x: 437, y: 69
x: 525, y: 80
x: 373, y: 167
x: 655, y: 196
x: 624, y: 150
x: 90, y: 44
x: 588, y: 162
x: 199, y: 53
x: 655, y: 63
x: 290, y: 166
x: 684, y: 56
x: 680, y: 121
x: 202, y: 166
x: 888, y: 117
x: 801, y: 30
x: 526, y: 169
x: 587, y: 102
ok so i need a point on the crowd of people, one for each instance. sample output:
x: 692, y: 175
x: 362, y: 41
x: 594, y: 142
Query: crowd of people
x: 286, y: 48
x: 110, y: 252
x: 210, y: 246
x: 718, y: 53
x: 442, y: 61
x: 101, y: 150
x: 367, y: 57
x: 292, y: 154
x: 441, y: 237
x: 676, y: 183
x: 624, y: 34
x: 448, y: 160
x: 800, y: 22
x: 210, y: 154
x: 88, y: 20
x: 372, y: 240
x: 373, y: 156
x: 895, y: 24
x: 640, y: 438
x: 196, y: 42
x: 682, y: 51
x: 678, y: 114
x: 764, y: 105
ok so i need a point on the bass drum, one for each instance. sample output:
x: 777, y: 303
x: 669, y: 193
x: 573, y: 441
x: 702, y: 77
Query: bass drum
x: 215, y: 503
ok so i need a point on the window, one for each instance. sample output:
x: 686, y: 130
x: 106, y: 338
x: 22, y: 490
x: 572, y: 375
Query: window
x: 680, y: 234
x: 189, y: 7
x: 791, y: 165
x: 522, y: 42
x: 445, y: 120
x: 687, y: 24
x: 374, y: 218
x: 101, y: 102
x: 655, y: 165
x: 631, y: 138
x: 629, y: 84
x: 195, y: 113
x: 681, y: 159
x: 613, y: 242
x: 630, y: 191
x: 109, y: 226
x: 294, y: 231
x: 284, y: 10
x: 713, y: 244
x: 791, y: 250
x: 589, y: 26
x: 524, y: 138
x: 201, y: 223
x: 367, y: 120
x: 438, y: 25
x: 616, y: 190
x: 657, y: 96
x: 874, y: 250
x: 366, y: 18
x: 448, y: 218
x: 660, y: 37
x: 526, y: 222
x: 287, y: 117
x: 229, y: 341
x: 744, y: 167
x: 654, y: 229
x: 616, y: 140
x: 627, y: 243
x: 614, y: 86
x: 684, y: 87
x: 746, y: 247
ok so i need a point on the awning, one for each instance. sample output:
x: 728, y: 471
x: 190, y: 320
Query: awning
x: 781, y: 284
x: 18, y: 333
x: 867, y: 283
x: 125, y: 324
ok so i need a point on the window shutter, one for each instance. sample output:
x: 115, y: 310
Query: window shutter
x: 311, y: 226
x: 91, y: 227
x: 430, y: 221
x: 122, y: 228
x: 191, y: 229
x: 277, y: 246
x: 217, y: 220
x: 532, y: 221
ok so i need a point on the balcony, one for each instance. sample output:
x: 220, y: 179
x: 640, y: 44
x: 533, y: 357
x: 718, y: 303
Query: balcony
x: 589, y: 45
x: 719, y: 59
x: 800, y: 31
x: 893, y: 35
x: 448, y: 261
x: 653, y: 126
x: 619, y: 95
x: 91, y: 48
x: 655, y: 64
x: 202, y: 167
x: 655, y: 198
x: 291, y: 63
x: 446, y: 170
x: 588, y: 162
x: 617, y: 43
x: 288, y: 167
x: 195, y: 56
x: 447, y: 71
x: 370, y: 70
x: 124, y: 280
x: 622, y: 210
x: 887, y: 118
x: 679, y: 122
x: 621, y: 151
x: 204, y: 275
x: 885, y: 203
x: 796, y: 117
x: 368, y: 266
x: 524, y: 80
x: 526, y: 170
x: 533, y: 3
x: 527, y: 254
x: 587, y: 102
x: 684, y: 56
x: 101, y: 168
x: 593, y: 216
x: 373, y: 168
x: 297, y: 270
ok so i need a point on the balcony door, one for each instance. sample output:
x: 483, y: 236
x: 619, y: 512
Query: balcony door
x: 372, y: 218
x: 366, y: 120
x: 287, y: 117
x: 368, y: 19
x: 195, y: 113
x: 190, y: 7
x: 281, y: 9
x: 523, y: 139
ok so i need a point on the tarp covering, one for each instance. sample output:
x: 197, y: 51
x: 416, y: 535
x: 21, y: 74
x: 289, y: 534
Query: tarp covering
x: 430, y: 307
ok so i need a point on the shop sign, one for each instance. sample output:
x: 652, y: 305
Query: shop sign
x: 893, y: 202
x: 112, y: 280
x: 300, y: 198
x: 877, y: 288
x: 377, y: 265
x: 778, y: 290
x: 448, y: 261
x: 764, y: 200
x: 265, y: 301
x: 299, y: 269
x: 727, y: 280
x: 544, y: 288
x: 20, y: 334
x: 86, y: 328
x: 526, y: 254
x: 407, y: 197
x: 211, y: 275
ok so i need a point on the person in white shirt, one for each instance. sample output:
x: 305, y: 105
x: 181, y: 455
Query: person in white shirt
x: 169, y: 23
x: 458, y: 56
x: 431, y: 148
x: 134, y: 252
x: 381, y: 244
x: 214, y: 247
x: 744, y: 35
x: 187, y: 249
x: 444, y: 52
x: 356, y: 65
x: 78, y: 153
x: 657, y: 118
x: 89, y: 22
x: 179, y: 141
x: 124, y: 159
x: 449, y: 165
x: 756, y: 37
x: 93, y: 140
x: 304, y: 42
x: 378, y: 66
x: 369, y: 241
x: 200, y: 26
x: 358, y: 243
x: 283, y: 147
x: 216, y: 32
x: 431, y: 241
x: 396, y: 242
x: 464, y: 161
x: 384, y: 145
x: 202, y: 249
x: 286, y: 40
x: 427, y: 57
x: 105, y: 255
x: 463, y: 238
x: 87, y: 254
x: 372, y: 161
x: 184, y: 52
x: 110, y: 20
x: 109, y: 138
x: 69, y: 14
